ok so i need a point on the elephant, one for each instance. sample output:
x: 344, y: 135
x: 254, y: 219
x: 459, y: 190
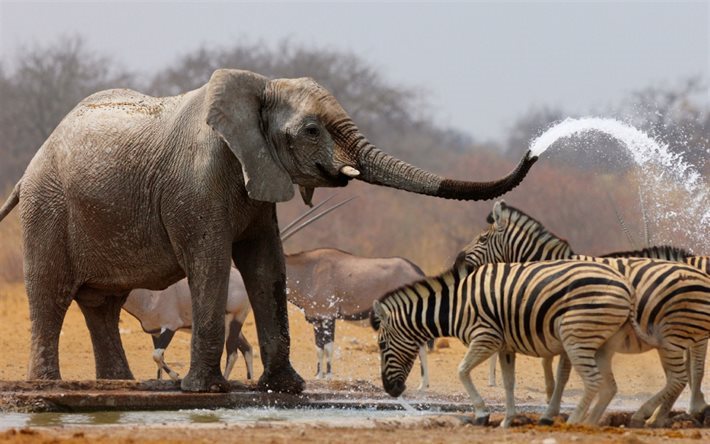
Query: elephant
x: 133, y: 191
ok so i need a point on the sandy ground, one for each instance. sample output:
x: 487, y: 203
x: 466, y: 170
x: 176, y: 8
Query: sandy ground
x: 356, y: 358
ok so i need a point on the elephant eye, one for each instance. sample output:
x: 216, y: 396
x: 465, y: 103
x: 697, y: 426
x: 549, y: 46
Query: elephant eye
x: 312, y: 130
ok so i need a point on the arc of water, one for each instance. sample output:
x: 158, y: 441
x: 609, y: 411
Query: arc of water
x: 675, y: 190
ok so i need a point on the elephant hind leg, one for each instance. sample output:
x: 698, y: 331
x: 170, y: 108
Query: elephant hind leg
x: 48, y: 307
x: 102, y: 312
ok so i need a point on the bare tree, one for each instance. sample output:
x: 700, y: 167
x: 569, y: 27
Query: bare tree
x: 678, y: 115
x: 364, y: 93
x: 44, y: 85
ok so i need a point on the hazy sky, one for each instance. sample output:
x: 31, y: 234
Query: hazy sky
x: 482, y: 63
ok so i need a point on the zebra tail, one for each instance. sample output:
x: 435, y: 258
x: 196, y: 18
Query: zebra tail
x: 642, y: 335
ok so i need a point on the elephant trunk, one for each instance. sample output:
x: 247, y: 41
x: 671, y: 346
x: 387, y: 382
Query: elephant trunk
x: 380, y: 168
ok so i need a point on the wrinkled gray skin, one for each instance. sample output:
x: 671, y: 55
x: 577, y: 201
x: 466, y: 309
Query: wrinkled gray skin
x: 329, y: 284
x: 132, y: 191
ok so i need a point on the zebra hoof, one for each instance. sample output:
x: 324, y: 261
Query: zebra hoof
x: 637, y: 423
x: 545, y: 422
x: 678, y: 421
x: 702, y: 415
x: 482, y: 420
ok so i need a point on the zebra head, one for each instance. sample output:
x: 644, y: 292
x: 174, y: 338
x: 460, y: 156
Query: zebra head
x: 513, y: 236
x: 397, y: 351
x: 489, y: 246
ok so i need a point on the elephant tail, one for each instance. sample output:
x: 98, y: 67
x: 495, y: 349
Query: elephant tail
x: 11, y: 201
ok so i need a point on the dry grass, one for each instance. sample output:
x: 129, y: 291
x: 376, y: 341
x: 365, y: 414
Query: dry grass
x: 11, y: 249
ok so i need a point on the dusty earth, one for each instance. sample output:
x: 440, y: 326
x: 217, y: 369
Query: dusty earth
x: 638, y: 377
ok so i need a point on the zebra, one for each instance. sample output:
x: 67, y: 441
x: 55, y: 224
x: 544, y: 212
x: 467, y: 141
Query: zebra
x: 516, y: 237
x: 539, y: 309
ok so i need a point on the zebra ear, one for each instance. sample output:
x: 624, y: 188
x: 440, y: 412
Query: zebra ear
x: 460, y: 259
x: 500, y: 215
x: 379, y: 312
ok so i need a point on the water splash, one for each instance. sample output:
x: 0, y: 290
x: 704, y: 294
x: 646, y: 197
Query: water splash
x: 406, y: 405
x: 673, y: 189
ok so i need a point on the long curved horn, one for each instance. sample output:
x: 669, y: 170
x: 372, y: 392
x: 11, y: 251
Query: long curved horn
x: 314, y: 218
x: 306, y: 214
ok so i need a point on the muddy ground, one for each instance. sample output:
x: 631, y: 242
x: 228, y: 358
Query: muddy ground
x: 638, y: 377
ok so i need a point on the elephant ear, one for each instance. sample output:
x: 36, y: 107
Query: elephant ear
x: 234, y: 112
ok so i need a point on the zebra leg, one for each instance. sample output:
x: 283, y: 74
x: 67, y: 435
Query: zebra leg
x: 234, y: 329
x: 245, y: 347
x: 425, y: 368
x: 507, y: 367
x: 696, y: 370
x: 608, y: 387
x: 549, y: 377
x: 584, y: 361
x: 492, y: 371
x: 673, y: 361
x: 564, y: 368
x: 160, y: 343
x: 478, y: 351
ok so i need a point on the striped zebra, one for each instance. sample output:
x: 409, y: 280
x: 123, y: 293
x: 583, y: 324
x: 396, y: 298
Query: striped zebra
x: 516, y: 237
x: 538, y: 309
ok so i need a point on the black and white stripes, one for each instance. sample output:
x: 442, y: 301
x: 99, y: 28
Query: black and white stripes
x: 673, y: 301
x: 539, y: 309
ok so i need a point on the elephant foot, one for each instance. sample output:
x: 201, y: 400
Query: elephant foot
x: 114, y: 372
x: 204, y: 381
x: 43, y: 373
x: 283, y: 380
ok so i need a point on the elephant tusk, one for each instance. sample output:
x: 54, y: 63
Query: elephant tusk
x: 349, y: 171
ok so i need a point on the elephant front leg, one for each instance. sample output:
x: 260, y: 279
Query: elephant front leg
x: 261, y: 263
x: 208, y: 279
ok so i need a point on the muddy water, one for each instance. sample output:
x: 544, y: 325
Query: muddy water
x: 183, y: 417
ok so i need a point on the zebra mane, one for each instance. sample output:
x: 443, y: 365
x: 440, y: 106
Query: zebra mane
x: 459, y: 267
x: 520, y: 217
x: 655, y: 252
